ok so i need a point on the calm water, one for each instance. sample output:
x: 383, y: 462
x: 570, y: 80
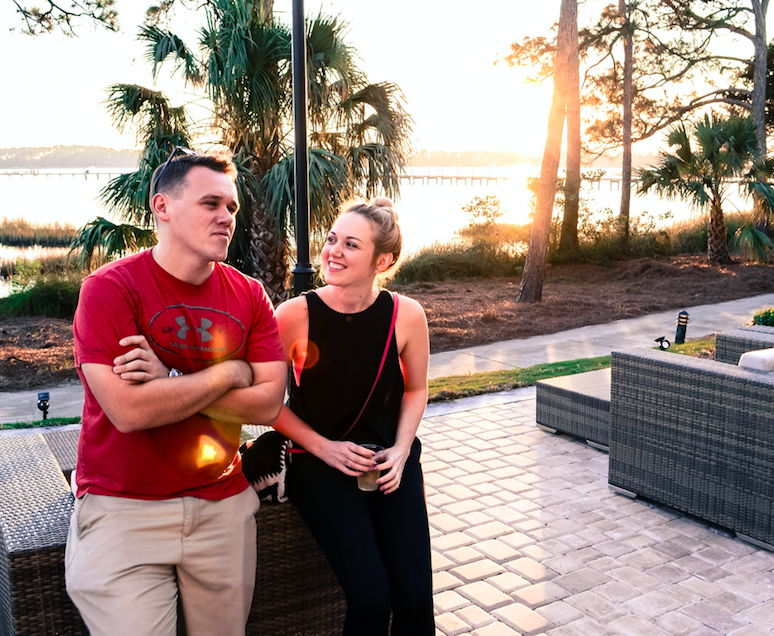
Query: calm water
x: 429, y: 213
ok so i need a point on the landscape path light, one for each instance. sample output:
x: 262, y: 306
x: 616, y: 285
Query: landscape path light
x: 43, y: 404
x: 682, y: 325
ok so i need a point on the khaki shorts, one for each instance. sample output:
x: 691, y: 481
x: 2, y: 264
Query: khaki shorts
x: 127, y: 560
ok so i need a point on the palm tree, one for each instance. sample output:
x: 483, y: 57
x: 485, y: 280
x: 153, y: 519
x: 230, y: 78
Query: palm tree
x: 359, y: 133
x: 724, y: 150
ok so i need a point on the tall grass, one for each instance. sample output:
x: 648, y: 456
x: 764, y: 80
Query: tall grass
x: 455, y: 260
x: 20, y: 233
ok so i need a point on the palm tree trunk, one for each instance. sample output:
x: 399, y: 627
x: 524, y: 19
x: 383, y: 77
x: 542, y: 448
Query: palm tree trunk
x: 568, y: 241
x: 626, y: 160
x: 531, y: 285
x: 717, y: 235
x: 268, y: 254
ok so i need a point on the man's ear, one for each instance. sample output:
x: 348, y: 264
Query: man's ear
x: 159, y: 205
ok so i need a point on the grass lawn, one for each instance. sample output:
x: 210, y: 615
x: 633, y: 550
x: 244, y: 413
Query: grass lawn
x: 458, y: 386
x: 54, y: 421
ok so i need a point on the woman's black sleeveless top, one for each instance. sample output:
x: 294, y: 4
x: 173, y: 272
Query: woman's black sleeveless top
x: 348, y: 349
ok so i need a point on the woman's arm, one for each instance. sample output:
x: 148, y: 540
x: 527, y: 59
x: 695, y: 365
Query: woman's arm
x: 414, y: 350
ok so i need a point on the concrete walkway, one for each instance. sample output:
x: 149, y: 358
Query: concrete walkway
x: 586, y: 342
x: 597, y: 340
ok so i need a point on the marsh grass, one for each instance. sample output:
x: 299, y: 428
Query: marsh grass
x: 52, y: 260
x: 21, y: 233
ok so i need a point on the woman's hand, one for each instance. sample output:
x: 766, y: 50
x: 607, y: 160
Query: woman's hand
x: 392, y: 460
x: 350, y: 458
x: 140, y: 364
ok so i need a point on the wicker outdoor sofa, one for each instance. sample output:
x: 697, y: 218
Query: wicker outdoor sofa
x: 696, y: 435
x: 731, y: 345
x: 295, y: 593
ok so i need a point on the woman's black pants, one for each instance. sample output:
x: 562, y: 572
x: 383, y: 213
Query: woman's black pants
x: 378, y: 546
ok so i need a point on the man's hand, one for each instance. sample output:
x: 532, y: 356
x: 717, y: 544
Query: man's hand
x: 140, y: 364
x: 143, y: 365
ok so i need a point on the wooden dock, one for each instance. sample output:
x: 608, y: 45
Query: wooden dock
x: 438, y: 178
x: 88, y: 173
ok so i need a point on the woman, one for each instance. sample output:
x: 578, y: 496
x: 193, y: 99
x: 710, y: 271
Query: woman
x: 377, y: 543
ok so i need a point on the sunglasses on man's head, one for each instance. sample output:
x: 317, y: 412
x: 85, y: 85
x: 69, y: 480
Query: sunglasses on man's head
x: 182, y: 149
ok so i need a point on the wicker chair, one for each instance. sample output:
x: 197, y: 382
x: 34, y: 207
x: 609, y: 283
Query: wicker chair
x: 296, y: 592
x: 696, y: 435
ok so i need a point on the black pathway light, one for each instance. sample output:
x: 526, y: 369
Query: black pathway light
x: 682, y: 325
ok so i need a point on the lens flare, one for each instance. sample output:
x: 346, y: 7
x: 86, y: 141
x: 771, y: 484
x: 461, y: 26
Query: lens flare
x: 304, y: 354
x: 210, y: 452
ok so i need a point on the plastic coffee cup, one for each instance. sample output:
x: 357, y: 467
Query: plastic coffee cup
x: 367, y: 481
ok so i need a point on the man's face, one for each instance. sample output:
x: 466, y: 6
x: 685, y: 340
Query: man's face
x: 202, y: 214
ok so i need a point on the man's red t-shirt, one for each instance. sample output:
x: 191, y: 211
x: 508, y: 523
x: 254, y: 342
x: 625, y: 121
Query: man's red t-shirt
x: 189, y: 327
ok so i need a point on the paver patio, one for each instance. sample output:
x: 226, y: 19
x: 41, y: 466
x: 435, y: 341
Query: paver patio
x: 528, y: 539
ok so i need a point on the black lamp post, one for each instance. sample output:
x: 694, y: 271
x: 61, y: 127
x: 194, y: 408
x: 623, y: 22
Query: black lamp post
x: 302, y: 272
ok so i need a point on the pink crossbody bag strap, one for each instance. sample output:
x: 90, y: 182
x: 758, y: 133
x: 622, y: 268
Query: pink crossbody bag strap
x: 378, y: 373
x: 381, y: 365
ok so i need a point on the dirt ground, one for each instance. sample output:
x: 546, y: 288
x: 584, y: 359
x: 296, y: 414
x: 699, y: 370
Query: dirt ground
x: 36, y: 352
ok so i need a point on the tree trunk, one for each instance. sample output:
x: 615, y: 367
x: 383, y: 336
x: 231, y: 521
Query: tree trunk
x: 568, y: 241
x: 760, y: 74
x: 717, y: 235
x: 268, y: 254
x: 531, y: 286
x: 626, y: 159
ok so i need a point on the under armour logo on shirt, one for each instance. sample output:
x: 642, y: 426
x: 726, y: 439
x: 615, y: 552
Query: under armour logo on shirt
x: 204, y: 335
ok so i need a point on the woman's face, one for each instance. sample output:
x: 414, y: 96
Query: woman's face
x: 348, y: 253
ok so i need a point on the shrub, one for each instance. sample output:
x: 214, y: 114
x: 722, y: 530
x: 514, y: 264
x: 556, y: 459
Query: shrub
x: 764, y: 317
x: 52, y: 297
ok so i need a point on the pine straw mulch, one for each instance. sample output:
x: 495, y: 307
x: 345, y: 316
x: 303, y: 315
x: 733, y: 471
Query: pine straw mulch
x: 37, y: 352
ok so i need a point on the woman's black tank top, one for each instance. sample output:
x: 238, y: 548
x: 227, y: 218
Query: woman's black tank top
x: 343, y: 358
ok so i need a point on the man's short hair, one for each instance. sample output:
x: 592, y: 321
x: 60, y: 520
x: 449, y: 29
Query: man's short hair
x: 177, y: 169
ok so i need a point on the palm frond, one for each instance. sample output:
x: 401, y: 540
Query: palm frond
x: 331, y: 69
x: 104, y: 240
x: 752, y: 243
x: 161, y: 44
x: 149, y: 111
x: 329, y: 186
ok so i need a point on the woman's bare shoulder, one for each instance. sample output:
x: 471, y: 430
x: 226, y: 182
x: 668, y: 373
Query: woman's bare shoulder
x: 292, y: 309
x: 410, y: 307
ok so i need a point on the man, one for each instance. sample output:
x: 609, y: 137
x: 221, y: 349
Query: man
x: 175, y: 351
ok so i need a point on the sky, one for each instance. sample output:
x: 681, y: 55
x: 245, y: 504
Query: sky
x: 440, y: 52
